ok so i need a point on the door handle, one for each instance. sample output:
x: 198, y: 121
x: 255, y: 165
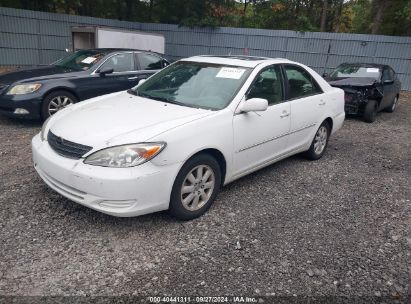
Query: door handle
x: 322, y: 103
x: 285, y: 114
x: 132, y: 78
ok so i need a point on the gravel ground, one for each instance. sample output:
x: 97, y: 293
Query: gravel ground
x: 339, y: 226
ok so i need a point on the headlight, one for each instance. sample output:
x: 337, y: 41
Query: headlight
x: 125, y: 156
x: 24, y: 88
x: 43, y: 129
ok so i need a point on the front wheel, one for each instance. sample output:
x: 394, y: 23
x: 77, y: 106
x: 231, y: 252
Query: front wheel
x: 55, y: 101
x: 195, y: 187
x: 320, y: 142
x: 370, y: 112
x: 393, y: 105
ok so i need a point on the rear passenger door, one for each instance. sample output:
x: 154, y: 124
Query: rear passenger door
x: 307, y: 103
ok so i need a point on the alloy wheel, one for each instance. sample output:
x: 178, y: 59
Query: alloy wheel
x: 58, y: 103
x: 320, y: 140
x: 197, y: 188
x: 394, y: 104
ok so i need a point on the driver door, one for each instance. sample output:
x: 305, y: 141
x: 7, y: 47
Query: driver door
x: 122, y: 78
x: 260, y: 137
x: 388, y: 88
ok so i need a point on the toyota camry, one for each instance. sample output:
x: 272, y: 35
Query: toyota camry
x: 175, y: 139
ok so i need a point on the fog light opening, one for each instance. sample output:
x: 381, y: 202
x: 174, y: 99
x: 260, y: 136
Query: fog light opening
x: 21, y: 111
x: 117, y: 204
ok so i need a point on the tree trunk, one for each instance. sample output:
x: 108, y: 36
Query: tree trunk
x: 324, y: 16
x: 150, y: 11
x: 381, y: 6
x: 130, y: 9
x: 244, y: 12
x: 339, y: 16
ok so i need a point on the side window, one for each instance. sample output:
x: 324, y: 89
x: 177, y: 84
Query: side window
x: 300, y: 82
x: 268, y: 85
x: 120, y: 63
x: 386, y: 74
x: 150, y: 62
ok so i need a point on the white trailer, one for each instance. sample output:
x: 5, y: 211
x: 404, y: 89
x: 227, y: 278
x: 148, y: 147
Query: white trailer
x: 87, y: 37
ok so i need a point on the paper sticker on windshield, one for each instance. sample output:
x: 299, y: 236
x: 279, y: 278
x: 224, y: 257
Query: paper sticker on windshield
x: 373, y: 70
x: 232, y: 73
x: 88, y: 60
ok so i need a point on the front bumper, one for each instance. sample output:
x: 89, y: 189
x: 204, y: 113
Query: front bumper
x: 354, y: 103
x: 29, y: 105
x: 120, y: 192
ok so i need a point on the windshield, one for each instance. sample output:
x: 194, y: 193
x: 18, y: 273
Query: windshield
x: 194, y: 84
x: 349, y: 70
x: 81, y: 60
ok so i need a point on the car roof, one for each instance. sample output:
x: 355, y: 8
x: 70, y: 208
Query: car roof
x: 114, y: 50
x: 365, y: 64
x: 236, y: 60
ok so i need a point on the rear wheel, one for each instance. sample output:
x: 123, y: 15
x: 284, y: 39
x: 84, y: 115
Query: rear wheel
x: 55, y: 101
x: 370, y: 112
x: 195, y: 187
x: 320, y: 142
x: 393, y: 105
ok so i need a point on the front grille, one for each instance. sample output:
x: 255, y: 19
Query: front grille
x: 348, y: 97
x: 66, y: 148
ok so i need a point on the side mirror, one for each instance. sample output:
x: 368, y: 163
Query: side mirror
x: 253, y: 105
x: 141, y: 81
x: 325, y: 75
x: 165, y: 63
x: 105, y: 71
x: 388, y: 81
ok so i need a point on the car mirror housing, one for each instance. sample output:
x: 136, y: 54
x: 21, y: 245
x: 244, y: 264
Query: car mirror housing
x: 141, y: 81
x: 325, y: 75
x: 254, y: 105
x: 105, y: 71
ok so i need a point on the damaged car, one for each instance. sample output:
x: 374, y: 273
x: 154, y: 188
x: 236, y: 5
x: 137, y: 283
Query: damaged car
x: 369, y: 88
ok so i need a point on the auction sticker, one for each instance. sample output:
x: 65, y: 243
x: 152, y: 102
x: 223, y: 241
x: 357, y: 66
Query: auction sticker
x: 88, y: 60
x: 373, y: 70
x: 232, y: 73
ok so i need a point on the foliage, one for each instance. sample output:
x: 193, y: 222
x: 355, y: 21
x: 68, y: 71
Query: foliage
x: 355, y: 16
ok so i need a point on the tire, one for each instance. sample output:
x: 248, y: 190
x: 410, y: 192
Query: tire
x: 370, y: 112
x: 56, y: 101
x: 320, y: 142
x: 393, y: 105
x: 195, y: 200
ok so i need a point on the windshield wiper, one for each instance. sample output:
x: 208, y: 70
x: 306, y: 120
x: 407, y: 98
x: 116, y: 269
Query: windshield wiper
x: 158, y: 98
x: 132, y: 92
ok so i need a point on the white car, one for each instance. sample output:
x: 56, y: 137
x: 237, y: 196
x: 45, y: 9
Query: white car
x: 174, y: 140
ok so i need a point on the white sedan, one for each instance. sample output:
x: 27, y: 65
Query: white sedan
x: 174, y: 140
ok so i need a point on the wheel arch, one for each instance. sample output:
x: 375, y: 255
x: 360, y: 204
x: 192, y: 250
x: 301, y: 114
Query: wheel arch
x: 56, y: 89
x: 330, y: 121
x: 219, y: 157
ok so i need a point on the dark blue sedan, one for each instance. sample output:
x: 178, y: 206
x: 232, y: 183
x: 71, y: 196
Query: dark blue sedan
x: 41, y: 92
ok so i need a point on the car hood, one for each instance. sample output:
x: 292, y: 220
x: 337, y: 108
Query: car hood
x: 39, y: 74
x: 120, y: 118
x: 353, y: 82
